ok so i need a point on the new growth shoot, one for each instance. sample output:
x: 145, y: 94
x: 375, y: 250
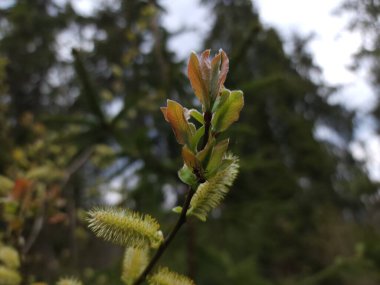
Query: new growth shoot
x: 209, y: 170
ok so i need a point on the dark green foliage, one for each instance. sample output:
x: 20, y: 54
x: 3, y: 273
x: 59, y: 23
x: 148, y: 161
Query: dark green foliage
x: 289, y: 180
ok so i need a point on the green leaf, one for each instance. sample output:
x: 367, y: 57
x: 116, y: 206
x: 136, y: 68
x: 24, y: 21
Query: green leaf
x: 196, y: 138
x: 189, y: 158
x: 197, y: 116
x: 174, y: 113
x: 177, y: 210
x: 205, y: 154
x: 221, y: 99
x: 6, y: 184
x: 225, y: 164
x: 215, y: 68
x: 187, y: 176
x: 228, y: 112
x: 46, y: 173
x: 216, y: 158
x: 196, y: 80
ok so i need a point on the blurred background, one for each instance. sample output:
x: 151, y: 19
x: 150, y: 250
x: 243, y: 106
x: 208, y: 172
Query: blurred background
x: 83, y: 128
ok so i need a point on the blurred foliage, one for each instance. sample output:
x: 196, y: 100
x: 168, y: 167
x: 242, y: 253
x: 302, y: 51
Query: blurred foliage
x: 79, y: 130
x: 365, y: 18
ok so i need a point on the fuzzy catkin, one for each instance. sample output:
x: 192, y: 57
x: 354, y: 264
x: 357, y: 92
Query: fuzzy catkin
x: 135, y: 261
x: 125, y: 228
x: 9, y: 276
x: 209, y: 194
x: 166, y: 277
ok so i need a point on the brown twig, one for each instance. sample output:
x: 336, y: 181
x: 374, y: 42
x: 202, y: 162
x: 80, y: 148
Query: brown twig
x: 207, y: 118
x: 182, y: 218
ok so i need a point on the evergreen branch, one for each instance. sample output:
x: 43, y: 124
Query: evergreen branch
x: 88, y: 89
x: 180, y: 222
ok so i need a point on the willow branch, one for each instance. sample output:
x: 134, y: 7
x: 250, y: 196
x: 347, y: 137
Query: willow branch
x: 181, y: 221
x: 207, y: 118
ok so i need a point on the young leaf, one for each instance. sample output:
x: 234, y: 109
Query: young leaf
x: 134, y: 263
x: 223, y: 69
x: 174, y: 114
x: 196, y: 80
x: 197, y: 115
x: 215, y: 68
x: 166, y: 277
x: 228, y: 112
x: 187, y: 176
x: 216, y: 157
x: 205, y: 154
x: 209, y: 194
x: 177, y: 210
x: 125, y: 228
x: 189, y: 158
x: 196, y: 138
x: 206, y: 67
x: 224, y: 94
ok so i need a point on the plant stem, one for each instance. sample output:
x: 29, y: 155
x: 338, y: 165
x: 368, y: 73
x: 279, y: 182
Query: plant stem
x: 182, y: 218
x: 181, y: 221
x: 207, y: 118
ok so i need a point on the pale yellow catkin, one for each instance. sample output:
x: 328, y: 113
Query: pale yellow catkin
x: 69, y: 281
x: 210, y: 194
x: 166, y: 277
x: 125, y: 228
x: 9, y: 257
x: 9, y: 276
x: 135, y: 261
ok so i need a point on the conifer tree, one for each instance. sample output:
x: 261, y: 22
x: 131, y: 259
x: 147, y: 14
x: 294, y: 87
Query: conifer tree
x: 291, y: 183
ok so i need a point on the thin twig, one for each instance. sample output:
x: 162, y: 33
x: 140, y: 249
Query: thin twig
x: 76, y: 165
x: 181, y: 221
x: 207, y: 118
x: 36, y: 229
x: 39, y: 221
x: 182, y: 218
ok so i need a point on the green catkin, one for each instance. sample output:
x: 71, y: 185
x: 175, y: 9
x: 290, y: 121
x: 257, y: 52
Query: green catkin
x: 125, y: 228
x: 209, y: 194
x: 166, y: 277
